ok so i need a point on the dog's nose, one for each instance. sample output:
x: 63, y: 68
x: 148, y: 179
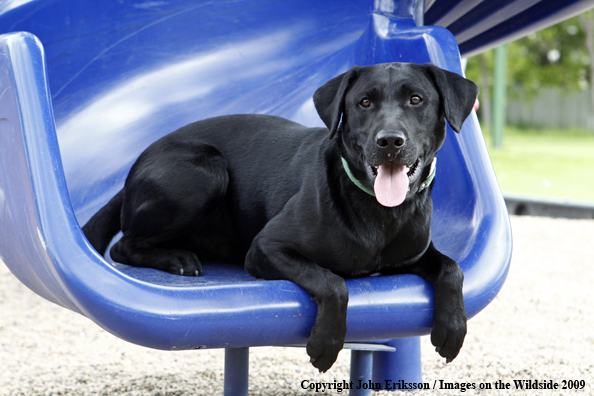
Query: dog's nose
x: 390, y: 141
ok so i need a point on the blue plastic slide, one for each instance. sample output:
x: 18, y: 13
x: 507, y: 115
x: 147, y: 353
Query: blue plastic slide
x: 98, y: 81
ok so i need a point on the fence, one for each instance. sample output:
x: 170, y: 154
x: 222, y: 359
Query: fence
x: 552, y: 108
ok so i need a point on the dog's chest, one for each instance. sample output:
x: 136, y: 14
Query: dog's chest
x: 381, y: 246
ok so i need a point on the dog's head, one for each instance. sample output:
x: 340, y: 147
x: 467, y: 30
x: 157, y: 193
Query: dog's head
x: 391, y: 121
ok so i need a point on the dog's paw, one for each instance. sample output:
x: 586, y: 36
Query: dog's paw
x: 182, y: 262
x: 448, y: 334
x: 323, y: 347
x: 323, y: 354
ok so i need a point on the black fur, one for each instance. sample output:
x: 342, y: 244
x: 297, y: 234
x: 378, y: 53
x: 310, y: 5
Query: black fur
x: 273, y: 195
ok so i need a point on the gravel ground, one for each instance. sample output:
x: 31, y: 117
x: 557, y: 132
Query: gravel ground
x: 540, y: 327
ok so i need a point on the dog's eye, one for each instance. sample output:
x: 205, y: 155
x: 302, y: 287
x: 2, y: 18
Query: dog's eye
x: 365, y: 102
x: 415, y: 100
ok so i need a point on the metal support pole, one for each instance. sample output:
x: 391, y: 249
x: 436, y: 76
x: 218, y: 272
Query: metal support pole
x: 414, y: 9
x: 402, y: 365
x: 237, y: 369
x: 361, y: 370
x: 419, y: 12
x: 499, y: 95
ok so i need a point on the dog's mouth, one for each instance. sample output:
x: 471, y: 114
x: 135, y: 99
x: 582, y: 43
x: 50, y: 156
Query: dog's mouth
x: 393, y: 180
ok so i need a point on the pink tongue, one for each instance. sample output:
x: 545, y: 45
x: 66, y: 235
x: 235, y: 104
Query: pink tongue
x: 391, y: 184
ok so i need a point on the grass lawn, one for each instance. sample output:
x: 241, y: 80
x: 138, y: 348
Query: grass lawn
x: 553, y: 162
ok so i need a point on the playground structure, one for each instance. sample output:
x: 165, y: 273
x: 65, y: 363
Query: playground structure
x: 81, y: 97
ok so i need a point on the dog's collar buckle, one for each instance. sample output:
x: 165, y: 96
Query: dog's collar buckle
x: 426, y: 183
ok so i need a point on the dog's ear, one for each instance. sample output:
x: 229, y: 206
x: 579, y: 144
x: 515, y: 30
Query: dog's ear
x: 329, y: 99
x: 458, y: 94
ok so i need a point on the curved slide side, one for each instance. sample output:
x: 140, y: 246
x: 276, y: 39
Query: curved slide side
x: 44, y: 247
x: 42, y: 244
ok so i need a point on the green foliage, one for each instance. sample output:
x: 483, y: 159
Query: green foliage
x: 553, y: 57
x: 541, y: 161
x: 549, y: 162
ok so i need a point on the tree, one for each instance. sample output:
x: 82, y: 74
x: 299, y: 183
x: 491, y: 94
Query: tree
x: 560, y: 56
x: 586, y: 21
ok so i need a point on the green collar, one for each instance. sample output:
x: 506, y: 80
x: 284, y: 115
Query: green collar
x: 426, y: 183
x: 357, y: 182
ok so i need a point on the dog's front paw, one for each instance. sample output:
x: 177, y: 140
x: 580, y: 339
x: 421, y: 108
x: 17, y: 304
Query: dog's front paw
x: 448, y: 334
x: 323, y: 347
x: 182, y: 262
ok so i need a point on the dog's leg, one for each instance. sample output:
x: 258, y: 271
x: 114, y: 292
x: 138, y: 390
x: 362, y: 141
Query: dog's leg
x: 449, y: 324
x: 167, y: 198
x: 139, y: 252
x: 273, y: 259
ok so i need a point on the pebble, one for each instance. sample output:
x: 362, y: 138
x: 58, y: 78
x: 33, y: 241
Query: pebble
x: 540, y: 327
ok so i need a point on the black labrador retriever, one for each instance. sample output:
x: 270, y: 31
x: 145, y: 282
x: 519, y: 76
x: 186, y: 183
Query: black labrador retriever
x: 290, y: 203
